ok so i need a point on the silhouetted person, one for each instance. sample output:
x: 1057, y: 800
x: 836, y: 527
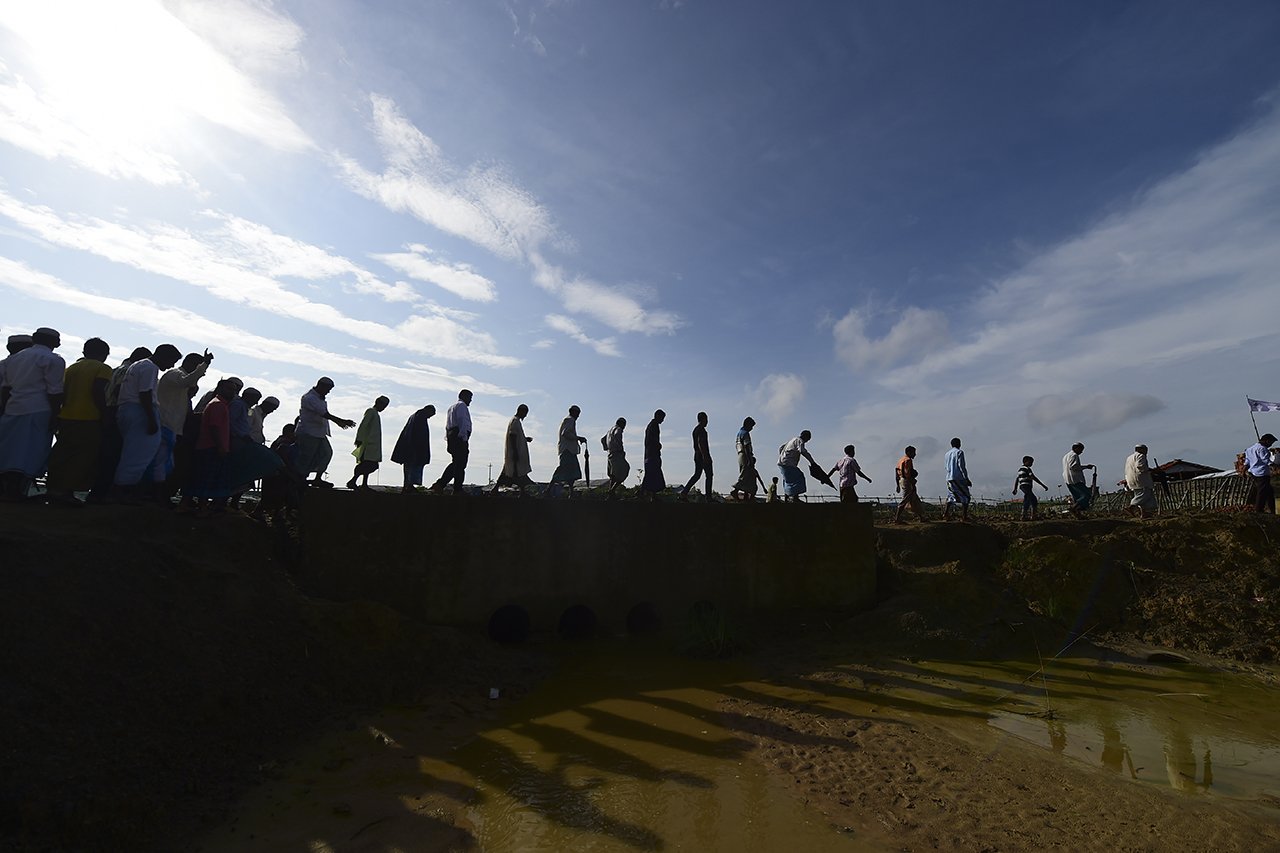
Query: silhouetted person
x: 138, y: 417
x: 15, y: 344
x: 1025, y: 483
x: 905, y: 476
x: 701, y: 458
x: 617, y: 468
x: 73, y: 463
x: 789, y: 455
x: 413, y: 447
x: 368, y: 451
x: 457, y: 438
x: 1073, y: 476
x: 30, y: 399
x: 1257, y: 460
x: 748, y: 473
x: 213, y: 451
x: 958, y: 482
x: 568, y: 471
x: 850, y: 471
x: 1139, y: 480
x: 312, y: 434
x: 515, y: 453
x: 109, y: 456
x: 173, y: 395
x: 653, y: 481
x: 257, y: 419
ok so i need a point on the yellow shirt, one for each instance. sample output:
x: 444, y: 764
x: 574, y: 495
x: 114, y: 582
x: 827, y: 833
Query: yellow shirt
x: 77, y: 383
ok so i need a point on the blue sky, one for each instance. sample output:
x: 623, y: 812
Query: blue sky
x: 1024, y: 224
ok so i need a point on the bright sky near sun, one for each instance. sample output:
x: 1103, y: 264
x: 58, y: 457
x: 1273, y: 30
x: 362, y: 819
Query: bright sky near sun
x: 1023, y: 224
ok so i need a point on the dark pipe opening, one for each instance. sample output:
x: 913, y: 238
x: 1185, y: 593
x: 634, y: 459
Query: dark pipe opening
x: 643, y: 619
x: 578, y: 623
x: 509, y: 624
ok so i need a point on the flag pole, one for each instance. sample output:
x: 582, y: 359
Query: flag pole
x: 1249, y: 403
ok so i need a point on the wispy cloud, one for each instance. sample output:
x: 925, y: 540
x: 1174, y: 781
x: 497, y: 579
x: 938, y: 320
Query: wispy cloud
x: 252, y: 34
x: 778, y: 395
x: 1090, y: 413
x: 420, y: 262
x: 240, y: 261
x: 176, y: 324
x: 561, y: 323
x: 916, y: 333
x: 485, y: 206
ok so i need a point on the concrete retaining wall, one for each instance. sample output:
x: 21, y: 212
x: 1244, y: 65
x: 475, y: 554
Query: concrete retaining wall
x: 455, y: 560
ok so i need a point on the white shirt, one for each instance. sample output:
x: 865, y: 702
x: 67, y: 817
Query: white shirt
x: 256, y: 417
x: 956, y: 469
x: 1072, y: 470
x: 568, y: 436
x: 141, y: 376
x: 172, y: 395
x: 789, y: 453
x: 1258, y: 460
x: 459, y: 418
x: 1137, y: 474
x: 313, y: 417
x: 32, y: 375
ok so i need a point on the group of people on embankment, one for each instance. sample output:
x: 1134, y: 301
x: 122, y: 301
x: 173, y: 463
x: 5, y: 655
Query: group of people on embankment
x: 143, y: 431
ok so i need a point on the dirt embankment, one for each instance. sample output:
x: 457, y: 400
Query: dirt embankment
x: 153, y: 668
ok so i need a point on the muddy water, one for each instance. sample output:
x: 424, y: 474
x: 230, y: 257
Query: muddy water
x: 624, y: 749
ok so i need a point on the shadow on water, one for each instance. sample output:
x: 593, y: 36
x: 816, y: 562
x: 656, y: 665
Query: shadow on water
x: 630, y: 747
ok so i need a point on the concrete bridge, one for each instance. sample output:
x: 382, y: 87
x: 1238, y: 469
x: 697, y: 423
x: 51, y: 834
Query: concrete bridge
x: 625, y: 565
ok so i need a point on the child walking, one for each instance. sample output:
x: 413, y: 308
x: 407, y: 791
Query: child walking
x: 1026, y: 477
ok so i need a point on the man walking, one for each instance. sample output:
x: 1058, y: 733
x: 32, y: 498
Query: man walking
x: 958, y: 482
x: 1073, y: 476
x: 616, y: 467
x: 516, y: 466
x: 457, y: 437
x: 73, y: 463
x: 368, y: 452
x: 905, y: 476
x: 850, y: 471
x: 1139, y: 480
x: 1257, y: 460
x: 413, y: 447
x: 312, y: 433
x: 701, y: 458
x: 30, y: 400
x: 569, y: 444
x: 653, y: 481
x: 138, y: 417
x: 789, y: 454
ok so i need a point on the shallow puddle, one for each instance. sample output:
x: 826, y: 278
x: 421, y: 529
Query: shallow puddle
x: 624, y: 749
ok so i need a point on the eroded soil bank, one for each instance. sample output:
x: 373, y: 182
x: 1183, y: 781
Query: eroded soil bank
x: 156, y: 668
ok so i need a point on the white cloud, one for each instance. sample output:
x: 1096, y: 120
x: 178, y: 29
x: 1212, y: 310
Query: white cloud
x: 250, y: 33
x: 1090, y: 413
x: 199, y: 331
x: 459, y: 279
x: 545, y: 343
x: 131, y: 77
x: 29, y: 122
x: 239, y: 261
x: 561, y: 323
x: 483, y: 205
x: 778, y: 395
x: 916, y: 333
x: 608, y: 305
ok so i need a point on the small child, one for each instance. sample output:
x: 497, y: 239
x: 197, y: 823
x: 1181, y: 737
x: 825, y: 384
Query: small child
x: 773, y: 492
x: 1023, y: 482
x: 850, y: 471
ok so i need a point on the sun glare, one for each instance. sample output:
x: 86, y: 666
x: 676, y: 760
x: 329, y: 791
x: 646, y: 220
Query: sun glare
x: 122, y: 70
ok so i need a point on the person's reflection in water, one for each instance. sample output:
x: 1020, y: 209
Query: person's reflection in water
x: 1057, y: 736
x: 1113, y: 748
x: 1179, y: 760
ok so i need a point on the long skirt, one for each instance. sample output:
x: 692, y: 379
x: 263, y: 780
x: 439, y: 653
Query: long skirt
x: 217, y: 476
x: 138, y: 448
x: 569, y: 470
x: 73, y: 464
x: 653, y: 480
x: 792, y: 480
x: 314, y: 453
x: 618, y: 469
x: 24, y: 443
